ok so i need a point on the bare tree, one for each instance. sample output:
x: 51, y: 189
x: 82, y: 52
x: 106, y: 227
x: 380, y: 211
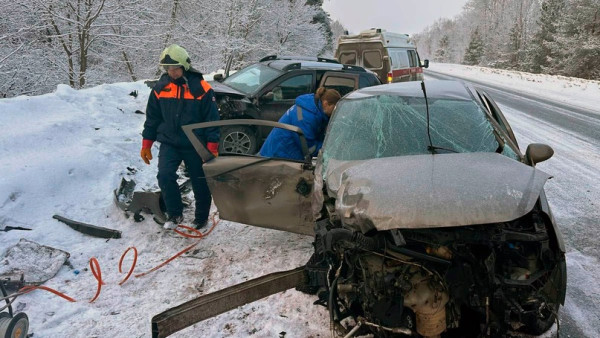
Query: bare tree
x: 72, y: 24
x: 87, y: 42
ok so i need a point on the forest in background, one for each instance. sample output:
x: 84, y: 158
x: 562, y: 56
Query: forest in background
x: 558, y: 37
x: 84, y: 43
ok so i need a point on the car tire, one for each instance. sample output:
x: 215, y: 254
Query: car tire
x: 238, y: 140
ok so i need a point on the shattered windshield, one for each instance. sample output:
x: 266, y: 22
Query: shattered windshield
x: 252, y: 78
x: 387, y: 126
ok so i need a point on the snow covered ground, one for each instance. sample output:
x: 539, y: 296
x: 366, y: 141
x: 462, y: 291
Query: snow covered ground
x: 65, y: 152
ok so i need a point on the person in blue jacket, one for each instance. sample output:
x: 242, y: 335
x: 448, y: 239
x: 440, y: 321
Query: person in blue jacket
x: 311, y: 114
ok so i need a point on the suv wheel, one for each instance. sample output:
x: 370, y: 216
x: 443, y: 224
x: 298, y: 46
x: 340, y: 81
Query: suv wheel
x: 238, y: 140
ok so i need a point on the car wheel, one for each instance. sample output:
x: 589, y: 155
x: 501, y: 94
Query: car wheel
x: 238, y: 140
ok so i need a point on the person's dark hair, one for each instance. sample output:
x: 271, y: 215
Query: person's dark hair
x: 332, y: 96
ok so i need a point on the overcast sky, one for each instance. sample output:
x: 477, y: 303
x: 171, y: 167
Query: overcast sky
x: 399, y: 16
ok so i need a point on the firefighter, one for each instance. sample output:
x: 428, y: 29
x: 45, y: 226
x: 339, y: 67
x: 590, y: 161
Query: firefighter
x: 180, y: 97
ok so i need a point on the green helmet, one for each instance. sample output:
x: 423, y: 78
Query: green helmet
x: 175, y: 55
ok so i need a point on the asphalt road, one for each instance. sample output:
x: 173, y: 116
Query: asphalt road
x: 573, y: 193
x: 579, y: 121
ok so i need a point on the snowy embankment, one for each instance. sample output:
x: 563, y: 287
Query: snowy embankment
x: 64, y: 153
x: 567, y: 90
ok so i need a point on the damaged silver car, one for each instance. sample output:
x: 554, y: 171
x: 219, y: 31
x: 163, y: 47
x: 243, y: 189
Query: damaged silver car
x: 428, y: 220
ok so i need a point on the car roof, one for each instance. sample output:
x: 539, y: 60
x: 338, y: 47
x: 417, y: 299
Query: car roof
x: 436, y: 89
x: 281, y: 64
x: 287, y: 63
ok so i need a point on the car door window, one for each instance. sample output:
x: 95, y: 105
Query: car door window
x: 343, y: 85
x: 399, y: 59
x: 293, y: 87
x: 348, y: 58
x: 372, y: 59
x: 412, y: 58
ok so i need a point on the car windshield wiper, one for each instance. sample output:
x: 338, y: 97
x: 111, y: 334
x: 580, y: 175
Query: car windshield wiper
x: 433, y: 148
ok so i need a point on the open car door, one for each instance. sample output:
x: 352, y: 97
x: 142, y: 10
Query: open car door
x: 266, y: 192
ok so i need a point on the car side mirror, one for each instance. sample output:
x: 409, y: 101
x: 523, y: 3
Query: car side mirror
x: 218, y: 77
x: 425, y: 63
x: 538, y: 152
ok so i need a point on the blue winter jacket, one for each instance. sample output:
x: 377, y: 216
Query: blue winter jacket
x: 313, y: 122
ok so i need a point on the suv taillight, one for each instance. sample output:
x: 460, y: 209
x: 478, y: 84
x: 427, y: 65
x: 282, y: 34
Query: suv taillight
x: 389, y: 77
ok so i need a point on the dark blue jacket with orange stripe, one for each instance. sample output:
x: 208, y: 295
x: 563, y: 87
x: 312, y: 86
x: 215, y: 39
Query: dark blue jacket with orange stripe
x: 175, y: 103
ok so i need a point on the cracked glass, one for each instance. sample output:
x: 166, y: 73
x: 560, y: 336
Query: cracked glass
x: 389, y: 125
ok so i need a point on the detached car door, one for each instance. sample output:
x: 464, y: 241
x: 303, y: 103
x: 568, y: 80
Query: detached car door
x: 266, y: 192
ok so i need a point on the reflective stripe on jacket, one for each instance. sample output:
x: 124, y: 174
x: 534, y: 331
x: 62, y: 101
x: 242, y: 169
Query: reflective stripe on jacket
x: 176, y: 103
x: 310, y: 118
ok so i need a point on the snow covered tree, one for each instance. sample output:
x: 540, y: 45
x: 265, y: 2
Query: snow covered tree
x: 540, y: 52
x: 290, y: 32
x: 87, y: 42
x: 493, y: 19
x: 429, y: 41
x: 443, y: 51
x: 337, y: 30
x: 577, y: 42
x: 73, y: 26
x: 514, y: 52
x: 475, y: 51
x: 322, y: 18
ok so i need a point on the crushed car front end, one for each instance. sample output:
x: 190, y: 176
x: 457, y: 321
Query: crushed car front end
x: 480, y: 257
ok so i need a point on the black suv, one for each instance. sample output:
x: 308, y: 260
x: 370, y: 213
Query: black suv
x: 267, y: 89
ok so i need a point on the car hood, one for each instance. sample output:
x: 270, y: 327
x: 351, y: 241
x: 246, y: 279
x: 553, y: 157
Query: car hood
x: 430, y: 191
x: 220, y: 88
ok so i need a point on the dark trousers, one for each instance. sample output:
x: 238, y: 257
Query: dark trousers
x: 169, y: 159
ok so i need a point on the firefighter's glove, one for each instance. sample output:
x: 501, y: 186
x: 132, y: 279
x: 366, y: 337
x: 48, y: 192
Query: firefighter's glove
x: 146, y: 152
x: 213, y: 147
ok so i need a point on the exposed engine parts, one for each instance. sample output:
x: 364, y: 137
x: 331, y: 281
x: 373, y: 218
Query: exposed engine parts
x: 471, y: 281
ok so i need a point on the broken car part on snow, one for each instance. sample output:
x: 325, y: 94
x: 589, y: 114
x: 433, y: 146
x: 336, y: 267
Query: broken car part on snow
x: 428, y: 220
x: 210, y: 305
x: 129, y: 200
x: 89, y: 229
